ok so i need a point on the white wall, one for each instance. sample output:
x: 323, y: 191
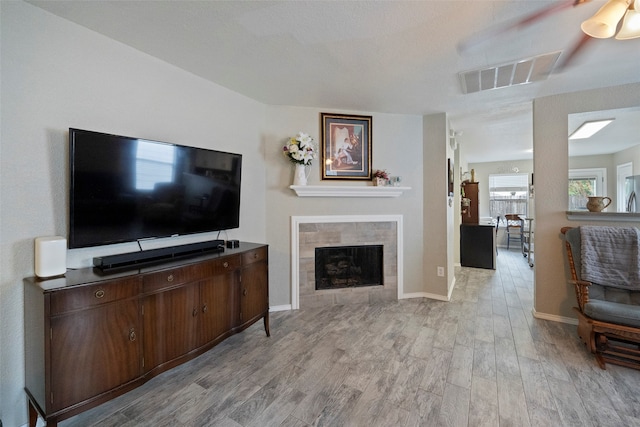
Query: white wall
x: 553, y: 296
x: 397, y: 147
x: 57, y: 75
x: 629, y: 155
x: 438, y: 218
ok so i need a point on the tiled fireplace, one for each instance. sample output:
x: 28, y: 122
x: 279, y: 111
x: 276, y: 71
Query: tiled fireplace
x: 335, y: 231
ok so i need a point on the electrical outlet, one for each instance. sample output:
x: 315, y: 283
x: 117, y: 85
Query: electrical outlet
x: 441, y: 271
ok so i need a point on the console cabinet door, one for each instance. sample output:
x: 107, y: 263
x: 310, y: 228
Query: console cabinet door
x: 170, y: 324
x: 217, y: 299
x: 254, y: 291
x: 93, y: 351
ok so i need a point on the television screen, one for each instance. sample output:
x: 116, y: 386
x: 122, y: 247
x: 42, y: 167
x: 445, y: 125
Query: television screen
x: 126, y: 189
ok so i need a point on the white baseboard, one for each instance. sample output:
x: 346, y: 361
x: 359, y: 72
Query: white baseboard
x: 285, y: 307
x: 39, y: 423
x: 554, y: 318
x: 425, y: 295
x: 453, y: 285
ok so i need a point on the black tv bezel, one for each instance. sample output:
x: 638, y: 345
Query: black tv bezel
x: 71, y: 244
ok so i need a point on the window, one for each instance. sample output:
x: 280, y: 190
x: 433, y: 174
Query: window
x: 508, y: 194
x: 584, y: 183
x: 154, y: 164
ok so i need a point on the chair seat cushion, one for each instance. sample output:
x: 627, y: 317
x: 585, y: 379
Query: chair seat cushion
x: 607, y: 293
x: 613, y: 312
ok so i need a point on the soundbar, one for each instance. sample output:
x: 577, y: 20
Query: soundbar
x: 111, y: 263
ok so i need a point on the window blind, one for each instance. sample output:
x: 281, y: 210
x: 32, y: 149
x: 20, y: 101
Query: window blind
x: 509, y: 182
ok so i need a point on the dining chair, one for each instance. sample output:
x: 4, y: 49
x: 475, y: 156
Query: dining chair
x: 514, y: 228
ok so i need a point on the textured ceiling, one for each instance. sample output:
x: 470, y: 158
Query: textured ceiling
x: 378, y: 56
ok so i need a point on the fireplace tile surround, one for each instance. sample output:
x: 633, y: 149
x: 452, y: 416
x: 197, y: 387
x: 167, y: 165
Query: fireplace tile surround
x: 310, y: 232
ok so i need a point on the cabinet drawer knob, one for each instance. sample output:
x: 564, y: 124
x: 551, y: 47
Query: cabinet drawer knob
x: 204, y: 308
x: 244, y: 292
x: 226, y: 264
x: 170, y: 278
x: 132, y: 334
x: 195, y: 312
x: 99, y: 293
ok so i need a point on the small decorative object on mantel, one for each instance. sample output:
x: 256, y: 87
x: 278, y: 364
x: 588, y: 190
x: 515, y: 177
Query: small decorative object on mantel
x: 380, y: 177
x: 300, y: 151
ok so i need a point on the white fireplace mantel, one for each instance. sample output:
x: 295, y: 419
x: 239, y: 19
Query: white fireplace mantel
x: 347, y: 191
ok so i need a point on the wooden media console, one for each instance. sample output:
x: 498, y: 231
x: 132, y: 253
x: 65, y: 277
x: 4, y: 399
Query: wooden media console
x: 91, y: 337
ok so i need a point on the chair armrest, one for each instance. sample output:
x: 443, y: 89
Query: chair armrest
x: 582, y: 292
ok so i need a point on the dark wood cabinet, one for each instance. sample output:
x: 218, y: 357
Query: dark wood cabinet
x: 92, y: 337
x: 470, y: 210
x: 170, y: 328
x: 219, y: 305
x: 253, y: 289
x: 478, y: 246
x: 218, y: 299
x: 188, y: 307
x: 108, y: 358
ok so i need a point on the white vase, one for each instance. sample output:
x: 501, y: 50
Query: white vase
x: 300, y: 175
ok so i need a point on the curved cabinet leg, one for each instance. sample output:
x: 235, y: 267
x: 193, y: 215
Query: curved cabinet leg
x: 266, y: 324
x: 600, y: 360
x: 33, y: 414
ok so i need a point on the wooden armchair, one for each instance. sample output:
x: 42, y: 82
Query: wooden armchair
x: 608, y: 316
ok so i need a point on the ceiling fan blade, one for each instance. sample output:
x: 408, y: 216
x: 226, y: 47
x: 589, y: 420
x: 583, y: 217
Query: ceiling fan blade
x: 570, y: 56
x: 520, y: 23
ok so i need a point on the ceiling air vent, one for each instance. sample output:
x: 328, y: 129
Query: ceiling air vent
x: 516, y: 73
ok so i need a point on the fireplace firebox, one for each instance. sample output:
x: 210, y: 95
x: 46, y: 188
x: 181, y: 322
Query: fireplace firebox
x: 348, y: 266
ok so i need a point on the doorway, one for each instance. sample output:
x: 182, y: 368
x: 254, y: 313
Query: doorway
x: 622, y: 172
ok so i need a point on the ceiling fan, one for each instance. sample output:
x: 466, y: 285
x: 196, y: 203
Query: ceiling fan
x: 619, y: 18
x: 624, y: 14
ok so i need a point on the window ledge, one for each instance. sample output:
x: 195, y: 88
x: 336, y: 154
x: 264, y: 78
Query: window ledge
x: 603, y: 216
x: 347, y: 191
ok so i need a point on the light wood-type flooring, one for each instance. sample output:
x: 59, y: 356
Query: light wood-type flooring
x: 481, y: 359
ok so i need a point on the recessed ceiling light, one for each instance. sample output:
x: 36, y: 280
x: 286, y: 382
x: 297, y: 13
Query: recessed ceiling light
x: 590, y: 128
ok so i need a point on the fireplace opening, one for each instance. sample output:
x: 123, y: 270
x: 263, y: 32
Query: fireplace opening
x: 348, y: 266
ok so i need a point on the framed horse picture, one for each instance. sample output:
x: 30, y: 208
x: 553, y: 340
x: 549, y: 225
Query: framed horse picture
x: 346, y: 146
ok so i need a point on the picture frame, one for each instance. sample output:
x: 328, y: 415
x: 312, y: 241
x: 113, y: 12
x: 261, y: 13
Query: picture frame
x: 346, y: 146
x: 449, y: 178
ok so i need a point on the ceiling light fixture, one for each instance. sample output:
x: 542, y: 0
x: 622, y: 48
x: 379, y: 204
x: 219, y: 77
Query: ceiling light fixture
x: 605, y: 22
x: 590, y: 128
x: 631, y: 24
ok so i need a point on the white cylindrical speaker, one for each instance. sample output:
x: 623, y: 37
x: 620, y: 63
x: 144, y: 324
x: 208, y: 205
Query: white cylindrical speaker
x: 50, y: 256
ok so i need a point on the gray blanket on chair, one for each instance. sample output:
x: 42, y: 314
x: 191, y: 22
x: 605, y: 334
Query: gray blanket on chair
x: 610, y: 256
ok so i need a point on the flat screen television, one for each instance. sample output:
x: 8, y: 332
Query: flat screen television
x: 126, y: 189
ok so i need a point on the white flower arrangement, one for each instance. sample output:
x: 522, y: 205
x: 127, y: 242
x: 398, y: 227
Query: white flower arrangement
x: 300, y: 149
